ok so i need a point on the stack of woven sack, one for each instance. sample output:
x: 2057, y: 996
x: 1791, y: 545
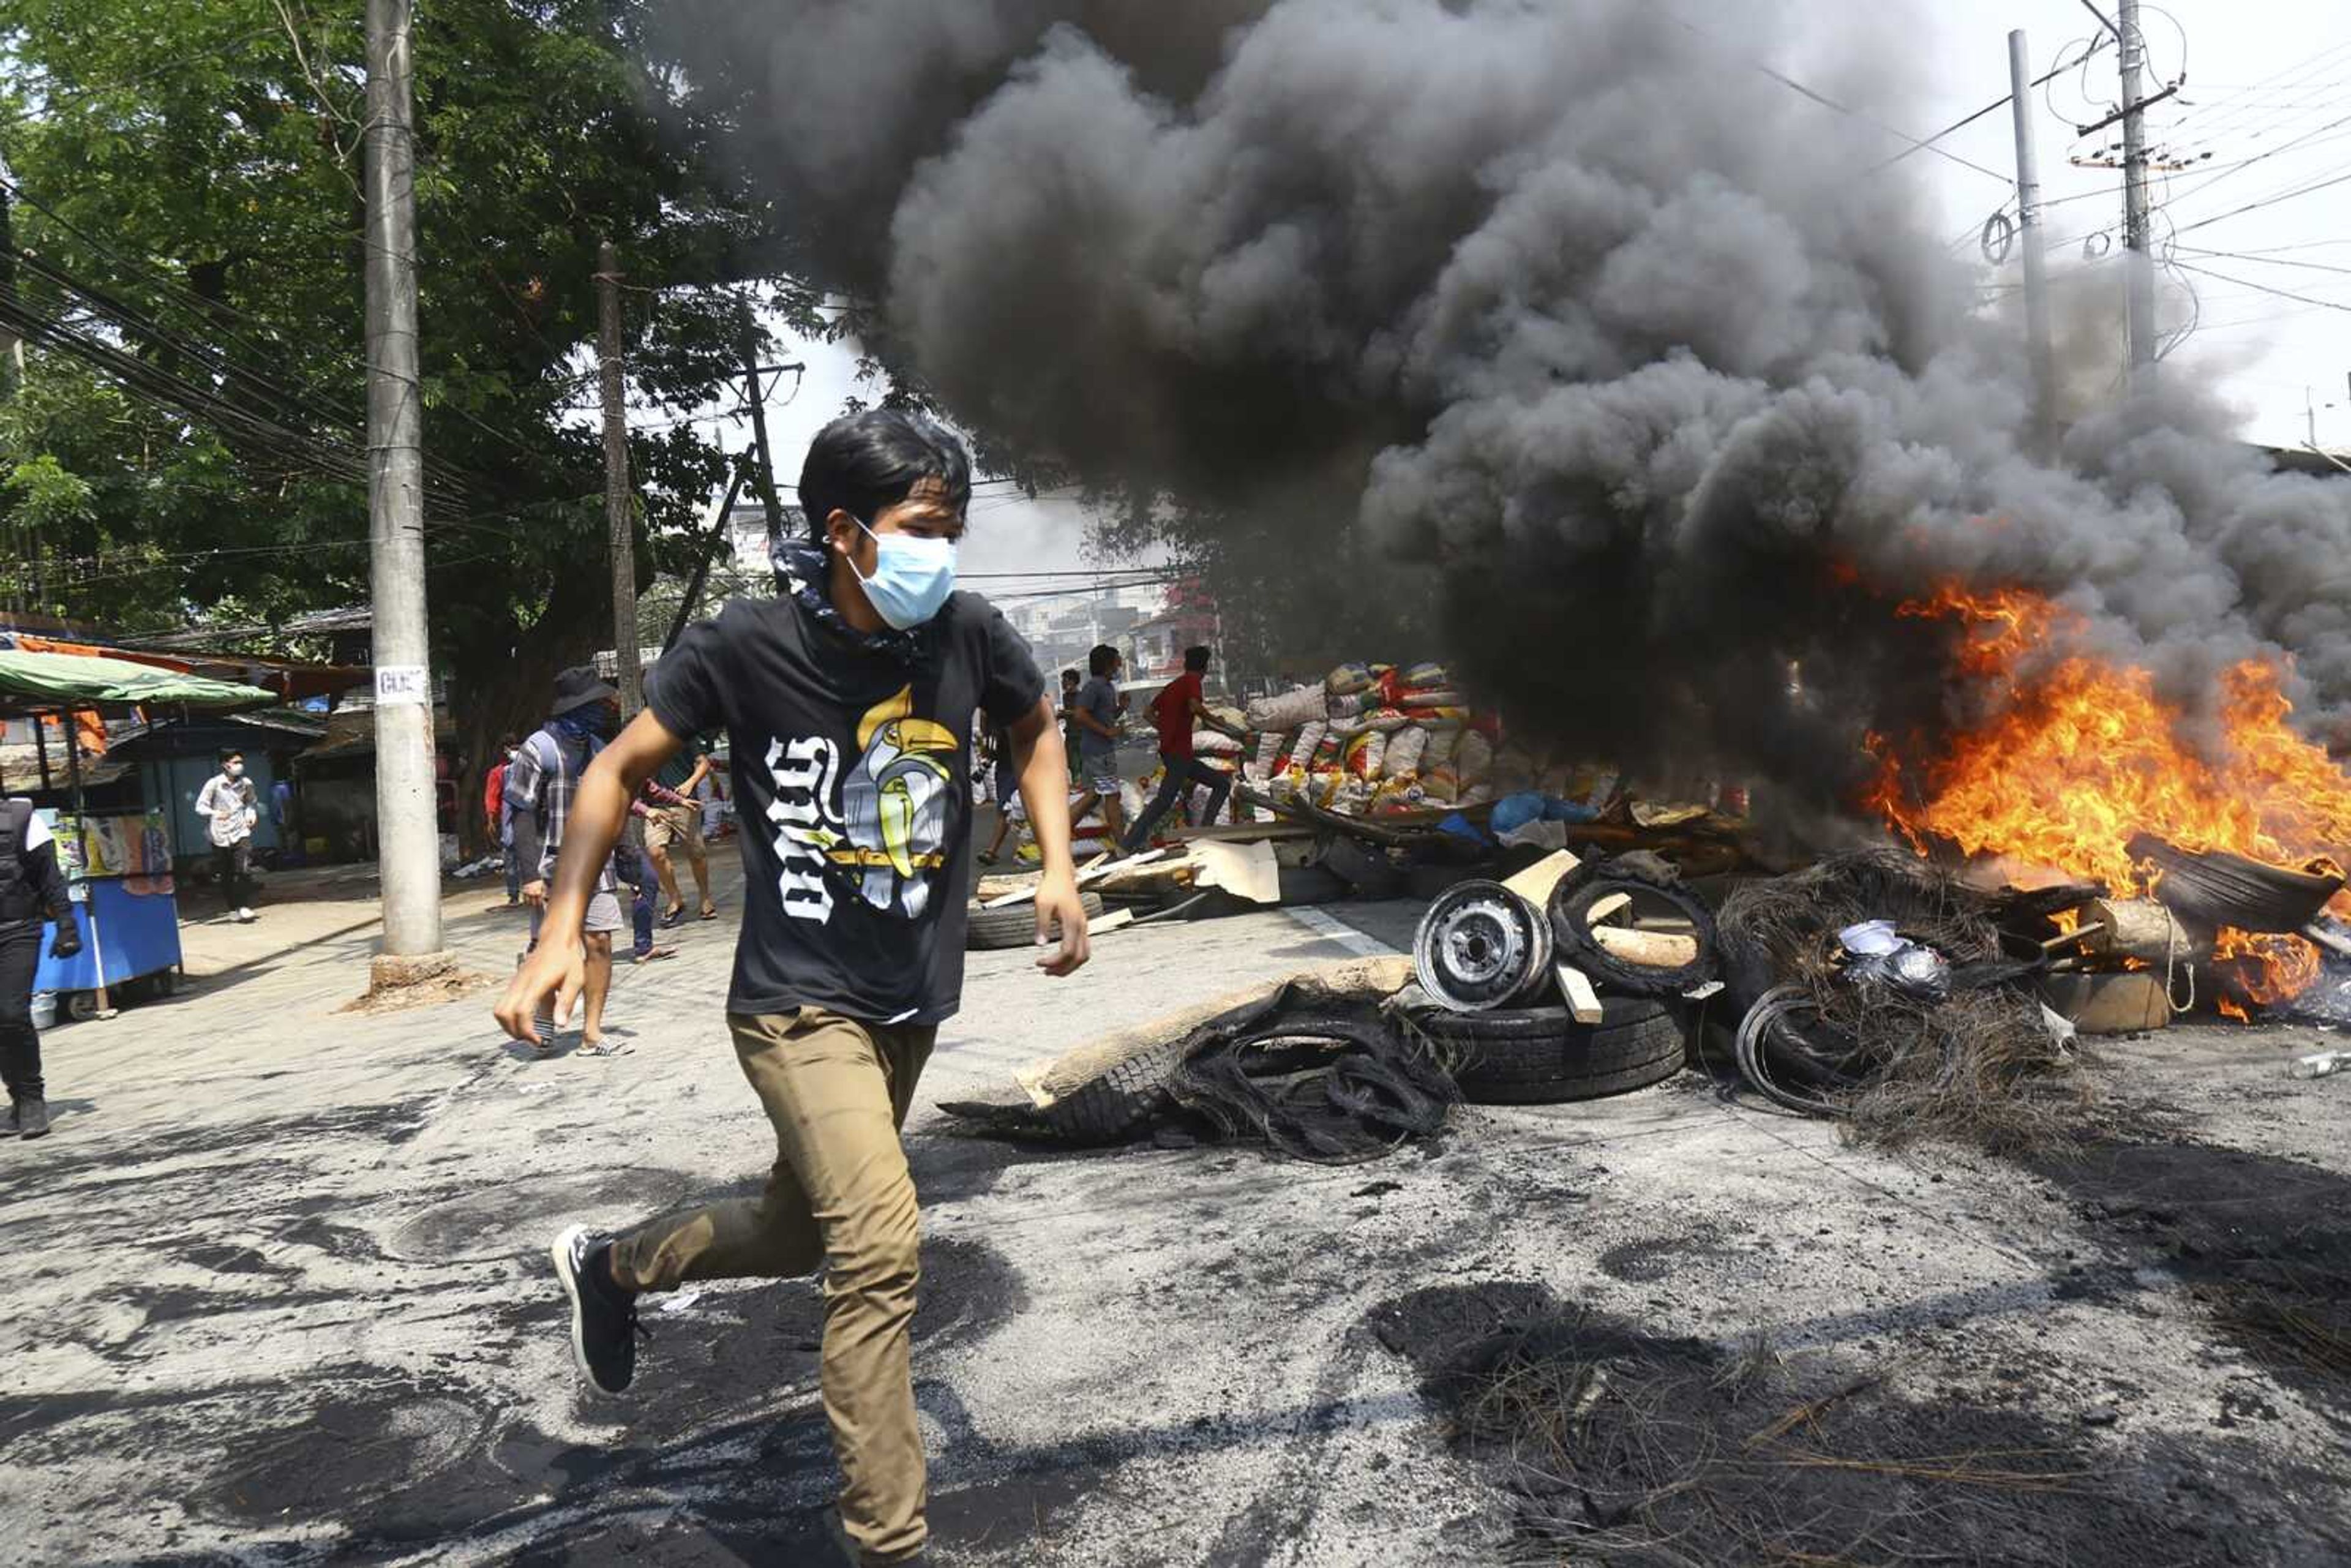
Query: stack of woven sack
x: 1373, y: 739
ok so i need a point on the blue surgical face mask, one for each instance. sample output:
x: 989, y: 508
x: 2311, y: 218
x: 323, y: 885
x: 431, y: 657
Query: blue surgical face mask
x: 912, y: 576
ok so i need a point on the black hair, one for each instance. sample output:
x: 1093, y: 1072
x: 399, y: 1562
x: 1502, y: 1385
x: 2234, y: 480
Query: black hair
x: 1103, y: 660
x: 863, y: 462
x: 1195, y: 658
x: 1068, y: 677
x: 231, y: 753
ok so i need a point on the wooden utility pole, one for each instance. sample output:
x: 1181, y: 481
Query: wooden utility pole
x: 618, y: 508
x: 407, y: 832
x: 763, y: 472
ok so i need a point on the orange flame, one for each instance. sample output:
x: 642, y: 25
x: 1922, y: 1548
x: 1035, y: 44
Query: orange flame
x: 2082, y: 755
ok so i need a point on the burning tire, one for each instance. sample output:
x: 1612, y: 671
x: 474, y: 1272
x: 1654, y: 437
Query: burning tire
x: 1016, y: 927
x: 1482, y: 946
x: 1542, y: 1056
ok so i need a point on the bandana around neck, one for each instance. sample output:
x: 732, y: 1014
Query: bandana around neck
x: 803, y: 569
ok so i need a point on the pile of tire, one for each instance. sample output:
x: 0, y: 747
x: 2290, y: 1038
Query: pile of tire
x: 1486, y: 960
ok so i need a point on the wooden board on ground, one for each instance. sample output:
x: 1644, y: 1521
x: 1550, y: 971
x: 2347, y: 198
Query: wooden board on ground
x: 1246, y: 869
x: 1582, y: 1001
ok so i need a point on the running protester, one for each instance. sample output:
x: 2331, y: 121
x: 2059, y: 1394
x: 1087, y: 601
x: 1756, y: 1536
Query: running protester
x: 849, y: 703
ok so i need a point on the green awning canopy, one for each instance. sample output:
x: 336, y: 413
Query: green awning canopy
x: 48, y: 682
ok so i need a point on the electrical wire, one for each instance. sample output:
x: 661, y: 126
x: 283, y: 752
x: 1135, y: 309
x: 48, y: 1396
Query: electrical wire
x: 2260, y: 259
x: 1792, y: 85
x: 2264, y: 289
x: 2270, y: 200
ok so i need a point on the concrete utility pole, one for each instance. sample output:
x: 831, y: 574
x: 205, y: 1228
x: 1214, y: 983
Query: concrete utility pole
x: 764, y: 473
x: 619, y: 512
x: 2036, y: 259
x: 2140, y: 280
x: 407, y: 836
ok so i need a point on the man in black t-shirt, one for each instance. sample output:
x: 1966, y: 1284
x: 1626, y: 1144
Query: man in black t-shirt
x: 848, y: 704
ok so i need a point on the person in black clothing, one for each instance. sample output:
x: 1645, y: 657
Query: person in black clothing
x: 30, y: 883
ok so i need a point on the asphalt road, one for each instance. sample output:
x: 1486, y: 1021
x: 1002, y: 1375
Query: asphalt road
x: 278, y: 1292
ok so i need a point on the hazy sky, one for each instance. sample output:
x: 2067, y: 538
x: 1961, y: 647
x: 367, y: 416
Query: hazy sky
x: 2266, y: 79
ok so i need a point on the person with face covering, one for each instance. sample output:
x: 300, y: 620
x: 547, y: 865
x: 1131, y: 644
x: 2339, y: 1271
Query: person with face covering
x: 849, y: 702
x: 542, y: 784
x: 230, y: 808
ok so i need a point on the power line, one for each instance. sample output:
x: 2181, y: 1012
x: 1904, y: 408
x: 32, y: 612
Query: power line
x: 2002, y: 101
x: 1792, y: 85
x: 2270, y: 200
x: 2266, y: 261
x: 2264, y: 289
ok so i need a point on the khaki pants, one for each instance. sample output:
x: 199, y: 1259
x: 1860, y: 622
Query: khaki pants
x: 840, y: 1194
x: 677, y: 825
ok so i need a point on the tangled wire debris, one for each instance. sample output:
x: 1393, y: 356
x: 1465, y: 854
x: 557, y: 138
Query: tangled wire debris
x: 1896, y: 1064
x: 1315, y: 1068
x: 1621, y: 1445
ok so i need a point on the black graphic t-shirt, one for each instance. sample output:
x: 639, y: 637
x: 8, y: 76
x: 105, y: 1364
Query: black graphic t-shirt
x: 852, y: 767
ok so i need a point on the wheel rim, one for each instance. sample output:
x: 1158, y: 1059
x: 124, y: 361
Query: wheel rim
x: 1479, y: 946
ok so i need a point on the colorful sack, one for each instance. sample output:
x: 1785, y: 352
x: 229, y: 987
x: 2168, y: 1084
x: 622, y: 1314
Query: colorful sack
x: 1404, y: 750
x: 1286, y: 710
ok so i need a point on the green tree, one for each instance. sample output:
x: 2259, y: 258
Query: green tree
x: 187, y: 229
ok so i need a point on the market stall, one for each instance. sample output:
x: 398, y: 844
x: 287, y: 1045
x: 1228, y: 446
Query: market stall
x: 118, y: 864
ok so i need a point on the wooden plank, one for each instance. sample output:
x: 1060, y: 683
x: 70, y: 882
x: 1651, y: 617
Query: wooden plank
x: 1582, y: 1001
x: 1248, y: 870
x: 1535, y: 883
x: 1650, y: 949
x: 1241, y: 833
x: 1110, y: 922
x: 1099, y: 869
x: 1606, y: 909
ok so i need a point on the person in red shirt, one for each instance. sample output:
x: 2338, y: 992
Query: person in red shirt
x: 1177, y: 710
x: 494, y: 805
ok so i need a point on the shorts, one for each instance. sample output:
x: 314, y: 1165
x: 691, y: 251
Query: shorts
x: 667, y: 825
x: 1099, y: 775
x: 603, y: 914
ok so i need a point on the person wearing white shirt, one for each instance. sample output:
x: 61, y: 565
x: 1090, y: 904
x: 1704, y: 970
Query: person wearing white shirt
x: 230, y: 808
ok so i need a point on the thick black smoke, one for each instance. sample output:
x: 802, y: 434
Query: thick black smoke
x: 1611, y: 338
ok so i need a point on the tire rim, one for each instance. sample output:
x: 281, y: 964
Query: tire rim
x: 1482, y: 947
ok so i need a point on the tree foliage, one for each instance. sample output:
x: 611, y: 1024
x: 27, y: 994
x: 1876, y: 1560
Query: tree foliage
x: 187, y: 182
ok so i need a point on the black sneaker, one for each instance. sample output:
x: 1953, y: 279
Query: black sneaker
x: 852, y: 1558
x: 604, y: 1327
x: 31, y: 1116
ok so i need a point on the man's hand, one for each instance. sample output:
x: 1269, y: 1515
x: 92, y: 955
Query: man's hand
x: 1058, y: 904
x: 534, y: 892
x: 68, y: 939
x: 555, y: 967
